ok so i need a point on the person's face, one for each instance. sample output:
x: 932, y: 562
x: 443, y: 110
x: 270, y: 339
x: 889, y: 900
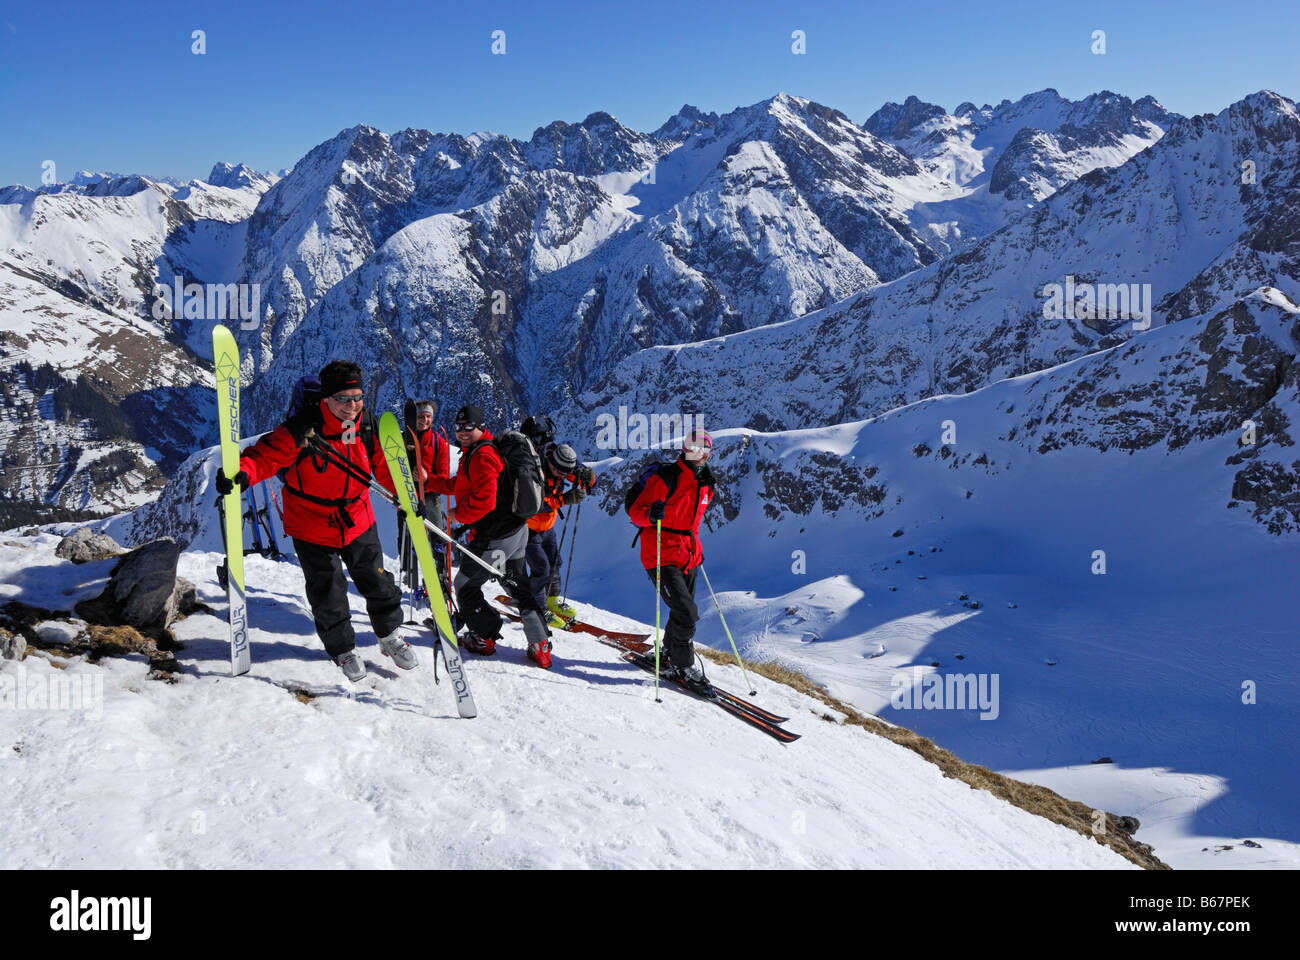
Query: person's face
x: 424, y: 420
x: 467, y: 434
x: 346, y: 405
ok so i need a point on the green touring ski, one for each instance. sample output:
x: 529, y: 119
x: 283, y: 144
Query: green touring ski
x: 225, y: 358
x: 393, y: 444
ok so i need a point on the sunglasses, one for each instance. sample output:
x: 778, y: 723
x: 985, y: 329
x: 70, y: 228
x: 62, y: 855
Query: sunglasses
x: 349, y: 398
x: 466, y: 427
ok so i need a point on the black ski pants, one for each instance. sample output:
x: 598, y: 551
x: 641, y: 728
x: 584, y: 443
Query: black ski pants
x: 476, y: 613
x: 678, y: 590
x: 543, y: 556
x: 327, y: 590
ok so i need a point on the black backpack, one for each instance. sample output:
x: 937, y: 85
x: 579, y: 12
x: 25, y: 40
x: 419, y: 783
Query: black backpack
x: 524, y: 473
x: 538, y: 428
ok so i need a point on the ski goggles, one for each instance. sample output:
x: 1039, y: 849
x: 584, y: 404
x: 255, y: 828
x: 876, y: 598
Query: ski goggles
x: 698, y: 451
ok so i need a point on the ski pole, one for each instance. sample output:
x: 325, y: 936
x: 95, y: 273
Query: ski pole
x: 446, y: 518
x: 659, y: 526
x: 325, y: 451
x: 564, y: 532
x: 752, y: 691
x: 569, y: 572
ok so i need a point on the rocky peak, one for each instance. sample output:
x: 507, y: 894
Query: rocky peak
x: 239, y: 175
x: 897, y: 120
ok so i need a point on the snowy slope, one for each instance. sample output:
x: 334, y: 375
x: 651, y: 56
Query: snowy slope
x: 862, y: 552
x: 576, y: 767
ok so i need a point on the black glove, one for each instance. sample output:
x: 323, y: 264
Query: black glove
x: 226, y: 485
x: 417, y: 508
x: 305, y: 423
x: 420, y: 509
x: 575, y: 495
x: 585, y: 476
x: 657, y: 510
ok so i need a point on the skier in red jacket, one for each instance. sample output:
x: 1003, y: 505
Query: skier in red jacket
x: 329, y: 517
x: 483, y: 501
x: 677, y: 494
x: 429, y: 455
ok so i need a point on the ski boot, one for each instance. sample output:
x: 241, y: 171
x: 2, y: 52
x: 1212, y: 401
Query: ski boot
x: 561, y: 609
x: 483, y: 646
x: 422, y: 596
x: 540, y: 653
x: 692, y: 678
x: 353, y: 667
x: 556, y: 622
x: 397, y: 648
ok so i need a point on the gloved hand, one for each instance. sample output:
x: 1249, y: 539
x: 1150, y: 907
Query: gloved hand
x: 417, y: 508
x: 585, y: 476
x: 226, y: 485
x: 420, y: 509
x: 574, y: 495
x: 657, y: 510
x: 304, y: 424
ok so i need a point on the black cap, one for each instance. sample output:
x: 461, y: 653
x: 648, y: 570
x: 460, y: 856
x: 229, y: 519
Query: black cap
x: 472, y: 415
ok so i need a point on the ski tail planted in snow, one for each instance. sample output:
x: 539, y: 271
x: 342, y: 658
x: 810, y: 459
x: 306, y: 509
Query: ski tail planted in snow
x: 393, y: 445
x: 225, y: 357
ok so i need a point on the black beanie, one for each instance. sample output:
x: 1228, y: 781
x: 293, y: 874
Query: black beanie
x: 339, y: 375
x: 471, y: 414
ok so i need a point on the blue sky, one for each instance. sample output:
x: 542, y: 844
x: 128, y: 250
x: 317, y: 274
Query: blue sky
x: 100, y: 87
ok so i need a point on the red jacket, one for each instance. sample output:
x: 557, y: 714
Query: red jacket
x: 475, y: 487
x: 684, y: 509
x: 435, y: 457
x: 333, y: 525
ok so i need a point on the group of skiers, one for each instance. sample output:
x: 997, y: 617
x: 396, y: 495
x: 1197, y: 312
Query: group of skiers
x: 328, y: 441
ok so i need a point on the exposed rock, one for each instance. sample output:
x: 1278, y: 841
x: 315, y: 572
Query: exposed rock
x: 144, y: 584
x: 46, y: 630
x: 12, y: 645
x: 185, y: 598
x: 143, y: 592
x: 86, y: 546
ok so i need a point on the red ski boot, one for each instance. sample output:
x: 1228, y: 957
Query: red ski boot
x: 540, y: 653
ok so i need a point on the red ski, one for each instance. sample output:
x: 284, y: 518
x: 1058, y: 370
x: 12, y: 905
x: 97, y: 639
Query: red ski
x: 629, y: 641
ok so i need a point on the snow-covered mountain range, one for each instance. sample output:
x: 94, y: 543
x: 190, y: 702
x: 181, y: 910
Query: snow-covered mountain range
x: 511, y: 273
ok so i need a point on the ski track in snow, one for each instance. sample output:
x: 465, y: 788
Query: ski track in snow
x: 573, y: 767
